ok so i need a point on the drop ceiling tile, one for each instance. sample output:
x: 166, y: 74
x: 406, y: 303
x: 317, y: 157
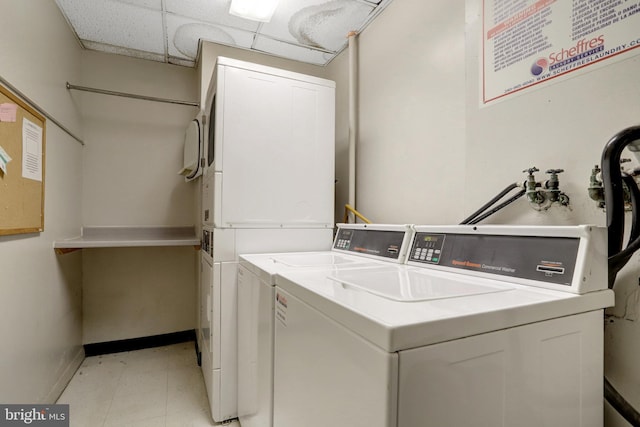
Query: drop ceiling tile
x: 211, y: 11
x: 181, y: 62
x: 278, y: 27
x: 183, y: 35
x: 149, y: 4
x: 122, y: 51
x: 300, y: 29
x: 116, y: 23
x: 316, y: 23
x: 286, y: 50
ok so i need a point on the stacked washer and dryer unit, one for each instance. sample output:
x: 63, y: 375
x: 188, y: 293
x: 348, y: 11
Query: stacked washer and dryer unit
x: 268, y: 186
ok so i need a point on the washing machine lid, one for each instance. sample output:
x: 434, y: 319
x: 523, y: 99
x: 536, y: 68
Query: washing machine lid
x: 414, y: 284
x: 266, y: 266
x: 354, y: 245
x: 301, y: 260
x: 399, y: 321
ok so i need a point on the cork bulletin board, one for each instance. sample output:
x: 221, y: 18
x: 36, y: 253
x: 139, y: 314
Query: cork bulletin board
x: 22, y: 163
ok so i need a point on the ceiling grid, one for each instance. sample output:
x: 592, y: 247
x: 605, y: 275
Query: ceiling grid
x: 311, y: 31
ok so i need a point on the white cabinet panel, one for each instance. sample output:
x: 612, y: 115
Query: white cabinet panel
x: 277, y: 151
x: 504, y: 378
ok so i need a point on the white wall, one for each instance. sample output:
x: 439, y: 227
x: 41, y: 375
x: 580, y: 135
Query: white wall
x: 338, y: 71
x: 40, y: 307
x: 410, y: 151
x: 134, y: 147
x: 131, y: 159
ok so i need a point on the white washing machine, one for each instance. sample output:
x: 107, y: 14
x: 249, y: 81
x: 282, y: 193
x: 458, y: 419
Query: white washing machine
x: 355, y: 246
x: 484, y: 326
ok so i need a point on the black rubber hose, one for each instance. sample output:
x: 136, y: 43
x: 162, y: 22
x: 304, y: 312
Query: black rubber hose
x: 614, y: 193
x: 489, y: 203
x: 619, y: 260
x: 619, y: 404
x: 614, y: 200
x: 634, y: 191
x: 499, y: 207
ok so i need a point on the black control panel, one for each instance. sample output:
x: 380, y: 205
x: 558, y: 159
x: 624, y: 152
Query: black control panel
x: 547, y: 259
x: 427, y: 248
x: 383, y: 243
x: 207, y: 242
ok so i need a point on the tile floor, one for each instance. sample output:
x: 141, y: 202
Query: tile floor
x: 155, y: 387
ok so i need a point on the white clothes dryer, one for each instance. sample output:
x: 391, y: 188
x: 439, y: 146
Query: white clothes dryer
x: 355, y: 246
x: 485, y: 326
x: 267, y: 186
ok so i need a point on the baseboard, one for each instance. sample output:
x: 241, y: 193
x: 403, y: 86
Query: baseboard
x: 65, y: 377
x: 132, y: 344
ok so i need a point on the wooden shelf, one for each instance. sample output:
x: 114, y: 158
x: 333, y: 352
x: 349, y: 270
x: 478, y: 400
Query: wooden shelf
x: 128, y: 237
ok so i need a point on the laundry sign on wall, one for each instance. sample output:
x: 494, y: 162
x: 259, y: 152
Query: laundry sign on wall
x: 529, y: 43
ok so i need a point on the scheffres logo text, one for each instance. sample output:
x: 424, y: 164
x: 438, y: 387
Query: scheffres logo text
x: 580, y: 53
x: 582, y: 48
x: 36, y: 415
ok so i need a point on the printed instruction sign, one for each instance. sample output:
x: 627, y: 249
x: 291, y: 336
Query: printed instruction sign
x: 527, y: 43
x: 31, y: 150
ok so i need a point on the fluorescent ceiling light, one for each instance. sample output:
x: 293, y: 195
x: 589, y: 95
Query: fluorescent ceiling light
x: 256, y: 10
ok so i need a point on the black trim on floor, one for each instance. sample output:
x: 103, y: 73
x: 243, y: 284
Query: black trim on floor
x: 139, y: 343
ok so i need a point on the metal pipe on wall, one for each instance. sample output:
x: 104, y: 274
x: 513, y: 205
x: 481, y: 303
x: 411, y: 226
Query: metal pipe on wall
x: 39, y: 109
x: 132, y: 95
x: 353, y: 114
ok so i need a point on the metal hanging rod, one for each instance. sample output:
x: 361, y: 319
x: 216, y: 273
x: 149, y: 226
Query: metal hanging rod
x: 132, y: 95
x: 39, y: 109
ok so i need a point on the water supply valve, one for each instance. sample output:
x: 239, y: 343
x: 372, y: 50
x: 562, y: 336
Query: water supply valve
x: 625, y: 188
x: 596, y: 189
x: 553, y: 188
x: 531, y: 187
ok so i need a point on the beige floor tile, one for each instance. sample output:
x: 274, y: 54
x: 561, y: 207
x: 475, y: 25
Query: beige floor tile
x: 186, y: 391
x: 136, y: 407
x: 87, y: 412
x: 158, y: 387
x: 149, y: 422
x: 134, y: 383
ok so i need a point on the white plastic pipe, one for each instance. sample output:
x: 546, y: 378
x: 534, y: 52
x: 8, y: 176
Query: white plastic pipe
x: 353, y: 114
